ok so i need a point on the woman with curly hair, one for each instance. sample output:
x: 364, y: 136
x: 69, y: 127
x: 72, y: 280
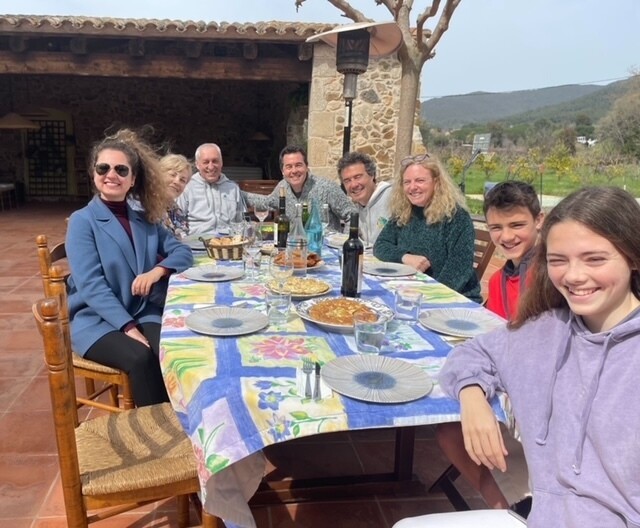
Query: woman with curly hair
x: 118, y: 257
x: 430, y: 228
x: 177, y: 171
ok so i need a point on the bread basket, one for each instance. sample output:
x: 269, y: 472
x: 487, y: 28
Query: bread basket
x: 223, y: 248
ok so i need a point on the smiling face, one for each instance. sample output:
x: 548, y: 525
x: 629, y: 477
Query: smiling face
x: 513, y: 230
x: 177, y: 181
x: 418, y: 184
x: 358, y: 184
x: 209, y: 163
x: 295, y: 170
x: 111, y: 186
x: 591, y: 274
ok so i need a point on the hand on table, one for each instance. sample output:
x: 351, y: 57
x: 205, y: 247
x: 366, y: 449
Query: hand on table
x: 142, y: 284
x: 419, y: 262
x: 482, y: 437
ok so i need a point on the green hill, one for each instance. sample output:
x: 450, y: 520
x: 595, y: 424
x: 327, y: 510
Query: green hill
x: 480, y: 107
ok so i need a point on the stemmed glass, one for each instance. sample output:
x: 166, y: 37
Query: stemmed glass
x: 252, y: 243
x: 261, y: 210
x: 281, y: 267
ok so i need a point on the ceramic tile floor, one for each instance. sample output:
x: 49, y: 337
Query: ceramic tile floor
x: 30, y: 491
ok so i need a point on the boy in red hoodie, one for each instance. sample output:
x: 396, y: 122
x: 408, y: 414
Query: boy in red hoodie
x: 514, y: 219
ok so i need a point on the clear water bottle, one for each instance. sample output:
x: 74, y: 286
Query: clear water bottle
x: 297, y: 243
x: 314, y: 230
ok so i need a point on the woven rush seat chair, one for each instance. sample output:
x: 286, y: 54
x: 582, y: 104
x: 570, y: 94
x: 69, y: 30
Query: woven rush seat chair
x: 118, y: 461
x: 114, y: 381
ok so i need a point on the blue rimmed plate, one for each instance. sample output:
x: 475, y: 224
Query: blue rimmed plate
x: 226, y: 321
x: 388, y: 269
x: 460, y: 322
x: 378, y: 379
x: 213, y: 273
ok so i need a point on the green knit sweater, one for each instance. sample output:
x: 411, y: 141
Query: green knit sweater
x: 448, y: 245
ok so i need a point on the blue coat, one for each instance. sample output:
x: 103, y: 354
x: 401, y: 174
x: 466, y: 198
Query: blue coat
x: 103, y: 266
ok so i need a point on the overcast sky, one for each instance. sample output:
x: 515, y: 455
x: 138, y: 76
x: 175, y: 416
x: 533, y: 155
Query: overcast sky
x: 491, y: 45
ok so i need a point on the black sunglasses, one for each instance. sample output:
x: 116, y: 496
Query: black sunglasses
x: 104, y: 168
x: 410, y: 160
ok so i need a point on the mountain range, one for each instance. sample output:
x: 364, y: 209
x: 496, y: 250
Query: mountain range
x: 557, y: 103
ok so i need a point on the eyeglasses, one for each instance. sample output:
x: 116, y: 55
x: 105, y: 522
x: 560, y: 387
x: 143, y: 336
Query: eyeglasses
x: 410, y: 160
x: 103, y: 169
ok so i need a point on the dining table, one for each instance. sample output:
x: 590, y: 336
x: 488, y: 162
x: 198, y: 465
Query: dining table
x: 237, y: 394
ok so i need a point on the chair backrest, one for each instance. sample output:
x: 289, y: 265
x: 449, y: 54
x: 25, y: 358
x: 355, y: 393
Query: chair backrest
x: 47, y: 257
x: 57, y: 354
x: 258, y: 186
x: 482, y: 251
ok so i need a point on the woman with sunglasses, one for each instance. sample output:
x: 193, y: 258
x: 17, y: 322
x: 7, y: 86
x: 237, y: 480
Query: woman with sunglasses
x: 430, y: 228
x: 119, y: 258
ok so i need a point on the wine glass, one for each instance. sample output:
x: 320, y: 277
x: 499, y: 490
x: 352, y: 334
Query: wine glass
x: 252, y: 243
x: 261, y: 210
x: 281, y: 267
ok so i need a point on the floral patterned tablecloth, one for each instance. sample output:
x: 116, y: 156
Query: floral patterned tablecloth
x: 234, y: 396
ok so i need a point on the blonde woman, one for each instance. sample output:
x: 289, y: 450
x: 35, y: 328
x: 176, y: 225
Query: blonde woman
x: 430, y: 228
x: 177, y: 171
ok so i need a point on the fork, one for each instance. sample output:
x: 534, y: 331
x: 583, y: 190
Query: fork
x: 307, y: 369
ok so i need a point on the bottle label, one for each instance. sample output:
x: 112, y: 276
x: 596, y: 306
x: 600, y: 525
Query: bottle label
x: 360, y: 270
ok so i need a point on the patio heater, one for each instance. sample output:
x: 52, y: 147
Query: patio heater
x: 354, y: 44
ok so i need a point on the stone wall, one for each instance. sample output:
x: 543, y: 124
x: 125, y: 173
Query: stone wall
x: 374, y: 113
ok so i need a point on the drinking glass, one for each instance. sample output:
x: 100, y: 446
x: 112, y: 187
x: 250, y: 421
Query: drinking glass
x: 408, y: 303
x: 325, y: 219
x: 252, y: 243
x: 236, y: 223
x: 369, y: 334
x: 281, y: 267
x: 278, y: 305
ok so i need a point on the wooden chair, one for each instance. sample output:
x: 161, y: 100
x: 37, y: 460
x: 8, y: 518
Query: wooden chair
x: 112, y: 379
x: 483, y: 251
x: 118, y: 461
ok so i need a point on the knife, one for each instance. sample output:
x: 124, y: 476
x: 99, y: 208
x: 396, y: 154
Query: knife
x: 316, y: 389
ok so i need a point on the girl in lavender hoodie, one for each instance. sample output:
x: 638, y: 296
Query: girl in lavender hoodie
x: 570, y: 363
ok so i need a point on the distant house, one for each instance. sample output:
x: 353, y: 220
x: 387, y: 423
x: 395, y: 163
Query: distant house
x: 588, y: 142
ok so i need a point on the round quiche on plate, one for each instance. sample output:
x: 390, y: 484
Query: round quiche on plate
x: 301, y: 288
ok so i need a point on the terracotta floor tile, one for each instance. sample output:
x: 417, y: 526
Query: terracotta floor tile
x: 35, y: 397
x: 16, y: 523
x: 24, y: 484
x: 361, y: 514
x: 23, y: 364
x: 10, y: 389
x: 27, y: 433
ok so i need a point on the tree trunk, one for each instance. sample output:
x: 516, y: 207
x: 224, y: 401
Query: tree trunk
x: 409, y: 88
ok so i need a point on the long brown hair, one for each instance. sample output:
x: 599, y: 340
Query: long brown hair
x: 149, y: 188
x: 609, y: 212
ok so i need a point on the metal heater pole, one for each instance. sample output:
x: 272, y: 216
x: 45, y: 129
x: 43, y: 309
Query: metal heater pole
x: 346, y: 138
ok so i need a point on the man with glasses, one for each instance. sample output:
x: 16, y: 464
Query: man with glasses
x: 301, y: 186
x: 210, y: 200
x: 357, y: 172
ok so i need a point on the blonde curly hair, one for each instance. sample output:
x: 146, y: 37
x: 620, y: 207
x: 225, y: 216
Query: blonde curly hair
x: 447, y: 197
x: 149, y: 187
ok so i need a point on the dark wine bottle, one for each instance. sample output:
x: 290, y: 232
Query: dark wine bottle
x: 352, y: 258
x: 283, y: 221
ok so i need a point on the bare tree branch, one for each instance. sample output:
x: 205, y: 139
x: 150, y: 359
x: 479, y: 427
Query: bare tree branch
x: 443, y: 24
x: 349, y: 11
x: 429, y: 11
